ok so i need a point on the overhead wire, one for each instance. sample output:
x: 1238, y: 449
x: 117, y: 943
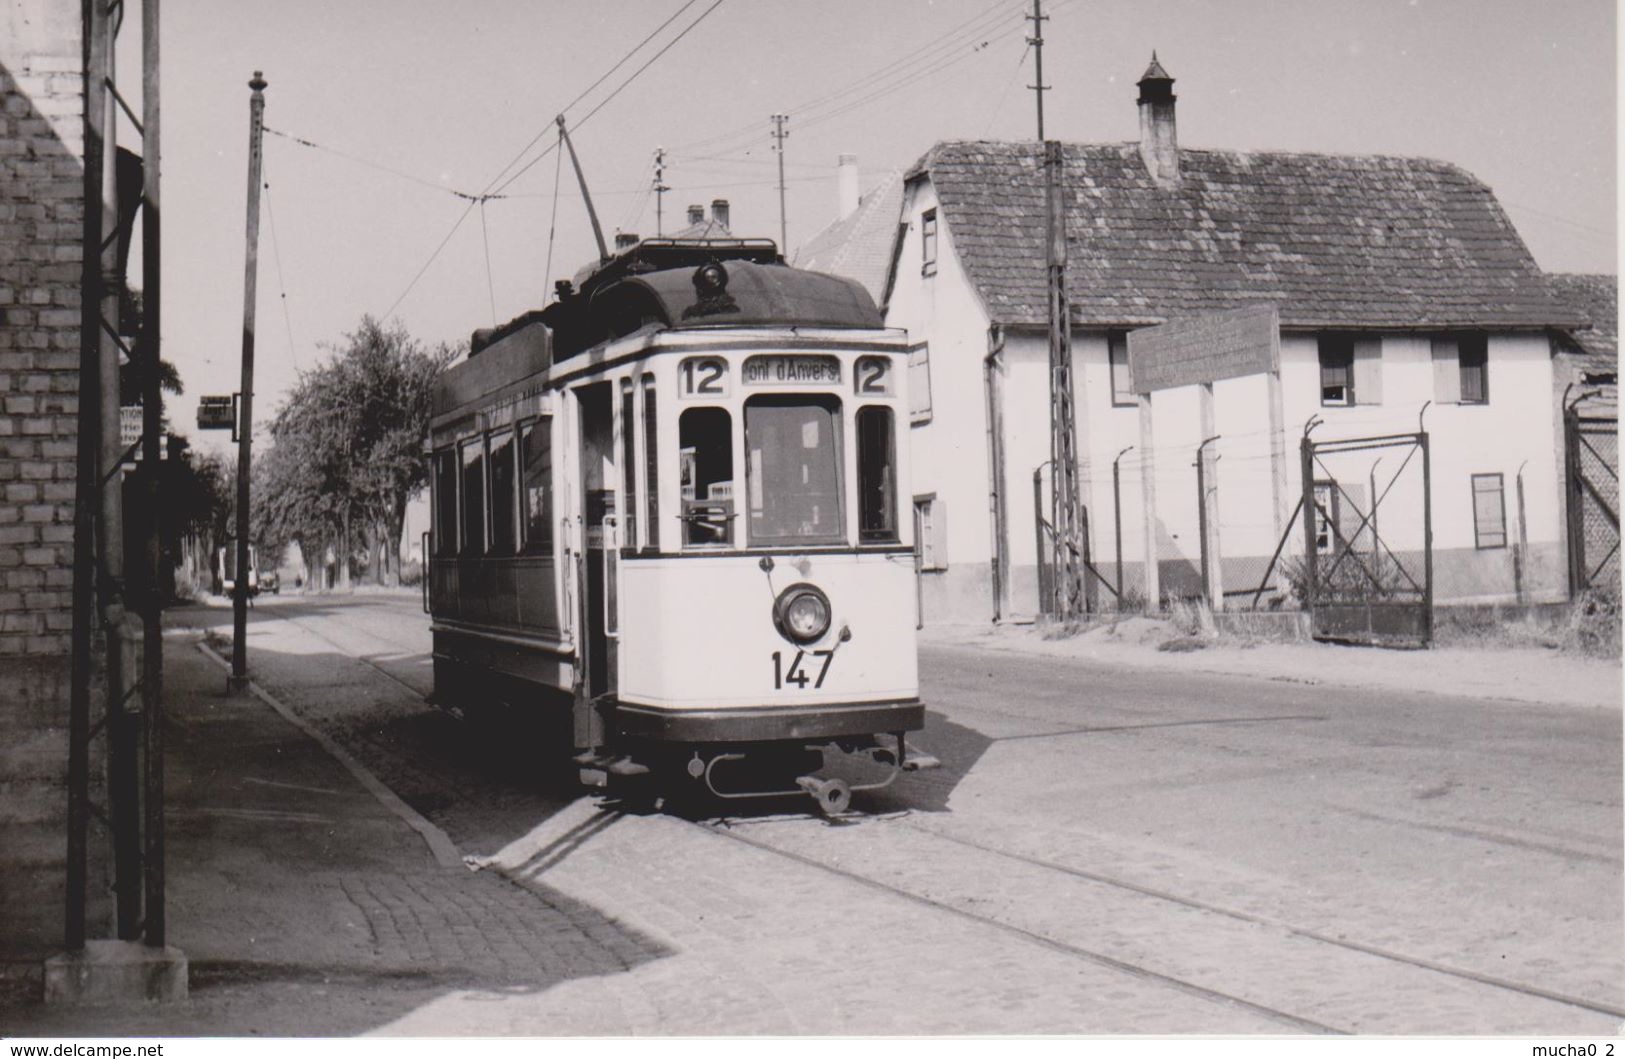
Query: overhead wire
x: 490, y: 281
x: 493, y: 189
x: 370, y: 164
x: 282, y: 286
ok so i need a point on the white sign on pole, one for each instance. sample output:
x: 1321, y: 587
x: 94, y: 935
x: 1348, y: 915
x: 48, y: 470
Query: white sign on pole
x: 1206, y: 348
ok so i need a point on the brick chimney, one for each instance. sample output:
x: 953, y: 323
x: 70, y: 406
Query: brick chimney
x: 719, y: 213
x: 696, y: 215
x: 1159, y: 146
x: 846, y: 186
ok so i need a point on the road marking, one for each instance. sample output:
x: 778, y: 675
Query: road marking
x: 440, y: 844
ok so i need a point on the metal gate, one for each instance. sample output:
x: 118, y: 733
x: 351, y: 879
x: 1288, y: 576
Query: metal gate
x: 1367, y: 571
x: 1591, y: 449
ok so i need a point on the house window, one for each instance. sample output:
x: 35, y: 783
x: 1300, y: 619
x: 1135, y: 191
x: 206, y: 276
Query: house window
x: 536, y: 452
x: 1461, y: 369
x: 1336, y: 370
x: 928, y: 243
x: 1489, y: 512
x: 504, y: 528
x: 877, y: 475
x: 919, y: 384
x: 931, y: 532
x: 1326, y: 522
x: 1473, y: 357
x: 1117, y: 351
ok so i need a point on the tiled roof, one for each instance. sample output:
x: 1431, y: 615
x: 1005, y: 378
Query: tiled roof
x: 1597, y: 297
x: 859, y: 245
x: 1330, y: 240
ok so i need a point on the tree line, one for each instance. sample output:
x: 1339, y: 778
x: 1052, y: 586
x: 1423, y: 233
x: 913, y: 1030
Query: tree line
x: 346, y: 454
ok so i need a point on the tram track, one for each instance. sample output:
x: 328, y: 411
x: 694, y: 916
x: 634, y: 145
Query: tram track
x: 1268, y: 1008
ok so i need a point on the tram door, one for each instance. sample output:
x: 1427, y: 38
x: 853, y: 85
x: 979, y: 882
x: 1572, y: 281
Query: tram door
x: 599, y: 618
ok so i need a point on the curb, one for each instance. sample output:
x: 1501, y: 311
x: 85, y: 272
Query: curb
x: 440, y: 844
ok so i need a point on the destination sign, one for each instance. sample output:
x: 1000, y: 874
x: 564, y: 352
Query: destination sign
x: 791, y: 369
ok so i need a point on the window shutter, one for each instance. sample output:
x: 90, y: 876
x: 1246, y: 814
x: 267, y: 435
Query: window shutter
x: 919, y: 384
x: 1368, y: 371
x: 1446, y: 371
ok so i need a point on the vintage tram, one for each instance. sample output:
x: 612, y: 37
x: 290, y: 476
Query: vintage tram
x: 669, y: 504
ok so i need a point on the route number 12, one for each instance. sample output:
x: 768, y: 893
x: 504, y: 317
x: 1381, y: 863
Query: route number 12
x: 703, y: 377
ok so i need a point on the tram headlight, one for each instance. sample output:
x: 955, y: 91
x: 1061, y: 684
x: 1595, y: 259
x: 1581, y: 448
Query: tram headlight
x: 802, y: 613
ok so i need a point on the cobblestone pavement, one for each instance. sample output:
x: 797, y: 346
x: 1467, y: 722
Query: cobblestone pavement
x: 1102, y: 853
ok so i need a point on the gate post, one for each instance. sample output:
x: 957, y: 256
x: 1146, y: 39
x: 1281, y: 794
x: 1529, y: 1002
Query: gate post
x: 1574, y: 501
x: 1427, y: 536
x: 1311, y: 561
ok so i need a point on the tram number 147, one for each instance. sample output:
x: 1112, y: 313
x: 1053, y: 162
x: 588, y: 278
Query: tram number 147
x: 796, y: 675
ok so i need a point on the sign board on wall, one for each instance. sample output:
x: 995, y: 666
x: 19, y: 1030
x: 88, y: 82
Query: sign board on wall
x: 1206, y: 348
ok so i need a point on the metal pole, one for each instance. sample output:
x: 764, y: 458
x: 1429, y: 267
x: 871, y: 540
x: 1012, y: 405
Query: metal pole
x: 1038, y: 18
x: 581, y: 178
x: 239, y: 593
x: 778, y: 136
x: 93, y: 22
x: 1202, y: 523
x: 1117, y: 513
x: 660, y: 191
x: 1311, y: 511
x: 152, y: 648
x: 1046, y: 598
x: 1520, y: 554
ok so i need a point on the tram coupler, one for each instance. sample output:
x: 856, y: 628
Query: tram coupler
x: 832, y: 795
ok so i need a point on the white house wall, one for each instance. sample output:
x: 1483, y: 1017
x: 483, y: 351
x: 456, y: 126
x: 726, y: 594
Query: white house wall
x: 950, y: 450
x: 1513, y: 431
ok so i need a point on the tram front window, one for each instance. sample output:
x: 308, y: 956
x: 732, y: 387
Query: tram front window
x: 793, y: 461
x: 705, y: 448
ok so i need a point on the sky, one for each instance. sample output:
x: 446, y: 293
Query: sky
x: 414, y: 101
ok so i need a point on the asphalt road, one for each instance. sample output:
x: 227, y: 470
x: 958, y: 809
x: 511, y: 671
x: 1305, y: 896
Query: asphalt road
x: 1104, y: 851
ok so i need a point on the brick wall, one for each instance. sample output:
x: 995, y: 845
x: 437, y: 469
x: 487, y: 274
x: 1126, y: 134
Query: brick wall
x: 41, y: 218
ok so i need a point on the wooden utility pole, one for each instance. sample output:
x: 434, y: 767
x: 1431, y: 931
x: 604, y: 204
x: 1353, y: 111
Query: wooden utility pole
x: 1038, y: 18
x: 778, y: 146
x: 245, y: 425
x: 152, y: 643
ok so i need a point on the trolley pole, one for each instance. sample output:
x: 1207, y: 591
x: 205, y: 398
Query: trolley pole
x: 245, y: 426
x: 778, y: 145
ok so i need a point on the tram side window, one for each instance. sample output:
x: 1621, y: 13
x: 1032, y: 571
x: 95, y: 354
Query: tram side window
x: 536, y: 445
x: 473, y: 497
x: 445, y: 502
x: 629, y: 464
x: 877, y: 475
x: 504, y: 529
x: 651, y: 462
x: 793, y: 469
x: 705, y: 451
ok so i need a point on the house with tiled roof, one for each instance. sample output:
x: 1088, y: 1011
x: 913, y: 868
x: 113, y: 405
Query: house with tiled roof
x: 1404, y: 295
x: 858, y: 243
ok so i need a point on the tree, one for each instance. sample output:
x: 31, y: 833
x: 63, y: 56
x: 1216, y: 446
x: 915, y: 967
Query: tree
x: 347, y: 456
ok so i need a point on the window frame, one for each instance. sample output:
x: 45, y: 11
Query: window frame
x: 651, y: 464
x: 1118, y: 340
x: 929, y: 234
x: 928, y: 540
x: 1333, y: 515
x: 687, y: 506
x: 892, y: 534
x: 1332, y: 347
x: 465, y: 550
x: 443, y: 537
x: 628, y: 501
x: 836, y: 408
x: 528, y: 546
x: 1473, y: 346
x: 491, y: 548
x: 1479, y: 532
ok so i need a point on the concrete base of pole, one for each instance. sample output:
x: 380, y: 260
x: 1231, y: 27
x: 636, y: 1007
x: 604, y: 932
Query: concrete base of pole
x: 236, y: 684
x: 112, y: 972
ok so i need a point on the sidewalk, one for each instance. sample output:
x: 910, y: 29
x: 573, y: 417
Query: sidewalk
x: 1528, y: 675
x: 304, y: 905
